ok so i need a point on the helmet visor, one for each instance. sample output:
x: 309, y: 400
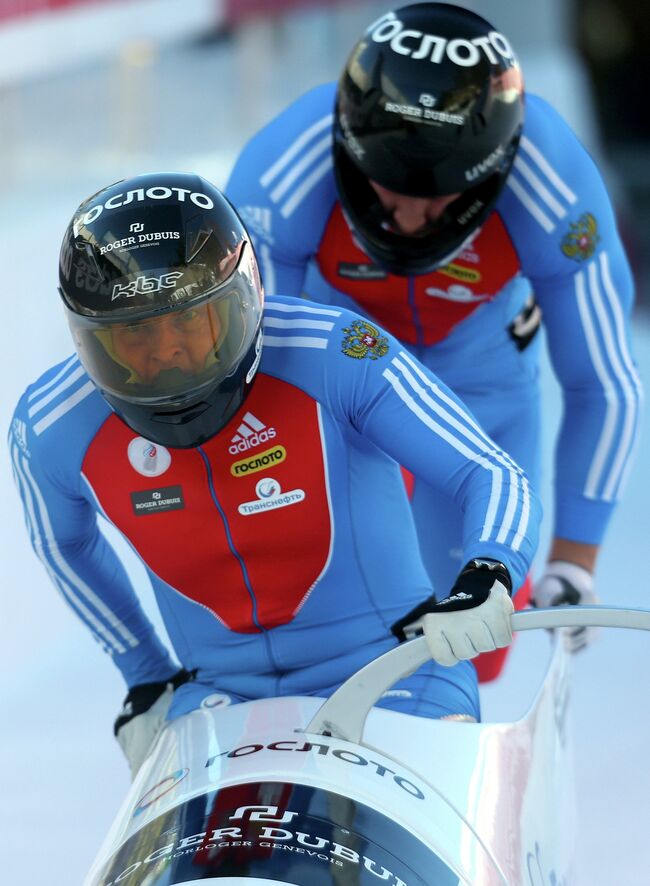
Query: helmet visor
x: 173, y: 357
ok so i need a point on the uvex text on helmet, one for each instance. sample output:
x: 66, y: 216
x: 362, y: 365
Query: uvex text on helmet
x: 164, y: 302
x: 430, y: 103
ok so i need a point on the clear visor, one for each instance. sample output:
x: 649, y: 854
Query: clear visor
x: 176, y: 355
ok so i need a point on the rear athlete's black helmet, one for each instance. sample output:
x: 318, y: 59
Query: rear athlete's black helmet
x: 164, y: 301
x: 430, y: 103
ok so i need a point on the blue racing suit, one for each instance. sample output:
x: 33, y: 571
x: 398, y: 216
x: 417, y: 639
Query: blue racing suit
x: 550, y: 249
x: 281, y: 550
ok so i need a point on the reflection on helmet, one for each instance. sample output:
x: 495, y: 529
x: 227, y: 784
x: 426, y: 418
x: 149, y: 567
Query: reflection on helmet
x: 164, y: 303
x: 186, y: 342
x: 429, y: 104
x: 162, y: 358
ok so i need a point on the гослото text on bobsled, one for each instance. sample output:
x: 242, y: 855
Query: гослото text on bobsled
x: 306, y: 792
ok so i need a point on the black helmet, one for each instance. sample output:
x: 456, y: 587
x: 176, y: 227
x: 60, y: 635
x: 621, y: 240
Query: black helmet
x: 164, y: 301
x: 430, y: 103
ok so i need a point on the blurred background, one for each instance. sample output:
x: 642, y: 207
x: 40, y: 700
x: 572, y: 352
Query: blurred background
x: 92, y: 91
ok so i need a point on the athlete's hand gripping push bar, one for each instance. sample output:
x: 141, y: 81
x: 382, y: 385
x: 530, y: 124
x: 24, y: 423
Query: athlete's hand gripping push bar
x: 474, y: 618
x: 344, y: 714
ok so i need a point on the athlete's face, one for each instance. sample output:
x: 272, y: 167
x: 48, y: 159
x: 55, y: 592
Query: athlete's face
x: 411, y: 215
x: 180, y: 341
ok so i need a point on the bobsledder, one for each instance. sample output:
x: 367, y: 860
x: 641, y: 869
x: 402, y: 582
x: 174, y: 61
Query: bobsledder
x: 305, y: 792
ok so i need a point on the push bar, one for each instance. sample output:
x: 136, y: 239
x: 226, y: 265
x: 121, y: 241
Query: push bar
x: 344, y: 713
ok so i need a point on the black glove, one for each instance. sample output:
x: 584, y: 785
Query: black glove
x: 474, y: 618
x: 143, y: 716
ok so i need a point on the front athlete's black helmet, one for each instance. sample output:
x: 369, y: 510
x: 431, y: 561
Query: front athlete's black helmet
x: 430, y: 103
x: 164, y: 301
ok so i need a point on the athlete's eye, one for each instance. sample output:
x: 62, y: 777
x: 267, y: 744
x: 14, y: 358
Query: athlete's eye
x: 192, y: 320
x: 133, y: 331
x: 188, y: 317
x: 131, y: 334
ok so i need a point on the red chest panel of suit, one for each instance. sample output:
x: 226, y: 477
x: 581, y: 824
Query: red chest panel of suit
x: 424, y: 309
x: 242, y: 525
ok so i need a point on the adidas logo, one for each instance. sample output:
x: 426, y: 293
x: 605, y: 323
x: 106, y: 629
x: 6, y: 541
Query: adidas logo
x: 250, y: 433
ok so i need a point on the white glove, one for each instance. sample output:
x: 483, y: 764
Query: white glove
x: 567, y: 584
x: 474, y: 618
x: 143, y: 716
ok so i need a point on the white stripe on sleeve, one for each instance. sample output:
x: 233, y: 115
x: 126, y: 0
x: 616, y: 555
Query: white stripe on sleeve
x: 47, y: 545
x: 611, y: 409
x: 71, y: 379
x: 295, y: 149
x: 559, y: 183
x: 538, y: 214
x: 307, y: 185
x: 538, y: 186
x: 456, y: 443
x: 56, y: 413
x: 294, y: 341
x: 321, y: 147
x: 305, y: 323
x: 633, y: 386
x: 615, y: 370
x: 301, y: 308
x: 33, y: 502
x: 466, y: 427
x: 54, y: 380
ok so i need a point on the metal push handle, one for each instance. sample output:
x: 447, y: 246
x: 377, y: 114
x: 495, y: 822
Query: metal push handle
x: 344, y: 714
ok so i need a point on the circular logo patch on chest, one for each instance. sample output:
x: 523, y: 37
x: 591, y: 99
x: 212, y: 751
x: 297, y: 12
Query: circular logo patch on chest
x: 148, y: 459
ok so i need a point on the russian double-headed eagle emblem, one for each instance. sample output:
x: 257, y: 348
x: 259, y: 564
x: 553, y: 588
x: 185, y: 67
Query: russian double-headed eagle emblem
x: 363, y: 340
x: 581, y: 241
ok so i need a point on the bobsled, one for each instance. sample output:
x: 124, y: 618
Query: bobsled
x: 304, y: 791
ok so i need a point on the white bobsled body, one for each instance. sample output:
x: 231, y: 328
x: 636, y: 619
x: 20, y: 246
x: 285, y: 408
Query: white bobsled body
x: 244, y: 795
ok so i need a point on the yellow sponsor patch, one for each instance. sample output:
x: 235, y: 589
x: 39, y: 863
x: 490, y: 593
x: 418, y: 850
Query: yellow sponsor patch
x: 259, y: 462
x: 468, y: 275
